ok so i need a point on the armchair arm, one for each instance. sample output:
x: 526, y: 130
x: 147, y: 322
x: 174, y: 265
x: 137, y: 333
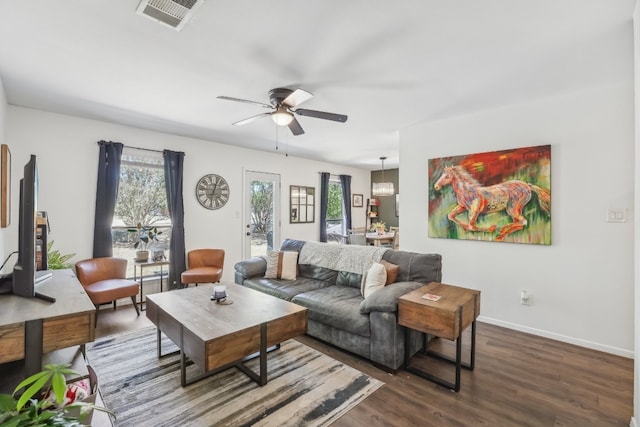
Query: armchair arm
x: 386, y: 299
x: 253, y: 267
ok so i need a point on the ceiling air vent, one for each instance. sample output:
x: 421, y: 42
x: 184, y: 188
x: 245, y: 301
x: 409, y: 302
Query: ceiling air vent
x: 174, y: 13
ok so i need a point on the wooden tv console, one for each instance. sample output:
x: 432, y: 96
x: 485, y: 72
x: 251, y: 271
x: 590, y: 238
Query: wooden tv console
x: 34, y: 332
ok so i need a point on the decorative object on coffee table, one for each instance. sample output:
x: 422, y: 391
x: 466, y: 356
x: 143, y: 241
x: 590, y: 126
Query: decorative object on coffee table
x: 444, y: 311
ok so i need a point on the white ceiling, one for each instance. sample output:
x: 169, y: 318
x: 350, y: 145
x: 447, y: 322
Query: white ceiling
x: 387, y: 65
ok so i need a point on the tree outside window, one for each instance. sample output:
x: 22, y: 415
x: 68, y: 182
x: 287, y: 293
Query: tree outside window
x: 142, y: 199
x: 335, y: 217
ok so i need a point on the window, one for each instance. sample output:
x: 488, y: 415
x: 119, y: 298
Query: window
x: 335, y: 215
x: 142, y: 199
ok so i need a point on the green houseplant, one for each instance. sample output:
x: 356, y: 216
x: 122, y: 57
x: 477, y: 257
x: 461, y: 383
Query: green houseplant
x: 57, y: 261
x: 30, y: 409
x: 144, y: 237
x: 378, y: 226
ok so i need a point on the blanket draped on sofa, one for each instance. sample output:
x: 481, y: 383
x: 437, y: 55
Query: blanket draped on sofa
x: 352, y: 259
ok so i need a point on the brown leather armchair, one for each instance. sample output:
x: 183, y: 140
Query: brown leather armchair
x: 205, y: 266
x: 104, y: 280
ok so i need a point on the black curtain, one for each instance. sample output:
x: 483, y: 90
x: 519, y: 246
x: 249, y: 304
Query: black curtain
x: 324, y: 201
x: 106, y: 195
x: 173, y: 164
x: 345, y: 180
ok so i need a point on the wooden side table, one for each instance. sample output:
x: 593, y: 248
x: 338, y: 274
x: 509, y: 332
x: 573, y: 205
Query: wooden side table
x: 446, y: 318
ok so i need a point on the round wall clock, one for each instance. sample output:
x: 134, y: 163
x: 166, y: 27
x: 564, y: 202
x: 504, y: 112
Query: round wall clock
x: 212, y: 191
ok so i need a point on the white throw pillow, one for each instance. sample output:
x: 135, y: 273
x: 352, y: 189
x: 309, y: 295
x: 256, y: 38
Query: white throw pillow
x: 282, y: 265
x: 375, y: 278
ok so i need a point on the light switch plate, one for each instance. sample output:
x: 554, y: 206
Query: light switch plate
x: 616, y: 215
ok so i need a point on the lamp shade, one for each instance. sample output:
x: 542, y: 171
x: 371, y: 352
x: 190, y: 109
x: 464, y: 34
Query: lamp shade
x: 383, y: 189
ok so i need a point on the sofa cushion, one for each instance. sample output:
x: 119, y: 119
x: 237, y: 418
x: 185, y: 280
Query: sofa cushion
x: 352, y: 280
x: 375, y: 278
x: 392, y: 271
x: 292, y: 245
x: 318, y: 273
x: 336, y: 306
x: 415, y: 267
x: 284, y: 289
x: 386, y: 299
x: 282, y: 265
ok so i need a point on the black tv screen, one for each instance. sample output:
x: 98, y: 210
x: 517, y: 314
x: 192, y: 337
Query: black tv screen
x: 25, y: 268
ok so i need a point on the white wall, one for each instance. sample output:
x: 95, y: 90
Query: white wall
x: 581, y: 285
x: 67, y: 155
x: 3, y: 126
x: 636, y: 63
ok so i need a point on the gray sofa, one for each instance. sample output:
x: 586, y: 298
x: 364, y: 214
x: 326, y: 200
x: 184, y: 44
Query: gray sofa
x: 328, y: 284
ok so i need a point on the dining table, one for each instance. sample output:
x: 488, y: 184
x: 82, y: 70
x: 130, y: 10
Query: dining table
x: 378, y: 239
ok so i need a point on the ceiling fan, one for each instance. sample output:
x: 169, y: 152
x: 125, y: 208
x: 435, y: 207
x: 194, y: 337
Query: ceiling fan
x: 283, y: 107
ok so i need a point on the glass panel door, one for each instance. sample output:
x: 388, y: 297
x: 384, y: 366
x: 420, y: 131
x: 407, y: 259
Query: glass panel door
x: 262, y: 213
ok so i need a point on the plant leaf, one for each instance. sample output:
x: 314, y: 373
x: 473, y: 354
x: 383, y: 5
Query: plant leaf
x: 7, y: 403
x: 59, y: 384
x: 30, y: 380
x: 32, y: 390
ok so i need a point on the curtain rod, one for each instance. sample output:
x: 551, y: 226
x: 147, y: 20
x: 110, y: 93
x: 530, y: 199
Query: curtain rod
x: 136, y: 148
x: 331, y: 173
x: 144, y: 149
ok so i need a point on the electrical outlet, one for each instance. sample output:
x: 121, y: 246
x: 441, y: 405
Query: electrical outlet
x: 525, y: 298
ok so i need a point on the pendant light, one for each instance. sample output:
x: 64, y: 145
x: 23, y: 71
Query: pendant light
x: 383, y: 188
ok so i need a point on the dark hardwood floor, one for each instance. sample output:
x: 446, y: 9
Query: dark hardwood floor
x: 519, y: 380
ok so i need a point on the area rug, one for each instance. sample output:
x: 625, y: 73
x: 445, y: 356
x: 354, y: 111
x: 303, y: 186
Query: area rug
x: 304, y: 388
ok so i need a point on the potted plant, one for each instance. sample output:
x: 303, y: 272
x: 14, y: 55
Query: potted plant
x: 44, y: 401
x: 57, y: 261
x: 378, y: 226
x: 144, y: 238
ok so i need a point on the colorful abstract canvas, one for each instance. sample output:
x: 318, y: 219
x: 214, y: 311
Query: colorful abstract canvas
x: 498, y: 196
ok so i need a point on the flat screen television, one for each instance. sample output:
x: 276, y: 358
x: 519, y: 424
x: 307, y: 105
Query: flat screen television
x: 25, y: 275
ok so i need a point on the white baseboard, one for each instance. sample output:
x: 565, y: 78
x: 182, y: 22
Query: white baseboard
x: 633, y: 423
x: 558, y: 337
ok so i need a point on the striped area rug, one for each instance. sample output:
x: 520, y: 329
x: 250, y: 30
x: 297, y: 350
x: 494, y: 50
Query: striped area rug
x: 304, y: 388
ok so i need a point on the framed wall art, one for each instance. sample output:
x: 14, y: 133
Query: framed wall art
x: 357, y: 201
x: 498, y: 196
x: 5, y: 185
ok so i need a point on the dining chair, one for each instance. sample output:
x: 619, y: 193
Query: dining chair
x: 357, y: 236
x: 396, y: 237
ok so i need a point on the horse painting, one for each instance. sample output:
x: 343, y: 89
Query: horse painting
x: 509, y: 196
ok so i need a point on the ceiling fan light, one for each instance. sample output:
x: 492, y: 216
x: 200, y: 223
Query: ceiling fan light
x: 282, y: 117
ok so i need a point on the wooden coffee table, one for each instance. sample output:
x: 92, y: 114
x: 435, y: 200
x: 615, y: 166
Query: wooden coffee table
x: 446, y: 318
x: 216, y: 336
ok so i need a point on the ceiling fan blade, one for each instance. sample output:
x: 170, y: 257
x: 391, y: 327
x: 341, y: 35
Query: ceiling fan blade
x: 321, y: 115
x: 297, y: 97
x: 295, y: 127
x: 251, y: 119
x: 246, y: 101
